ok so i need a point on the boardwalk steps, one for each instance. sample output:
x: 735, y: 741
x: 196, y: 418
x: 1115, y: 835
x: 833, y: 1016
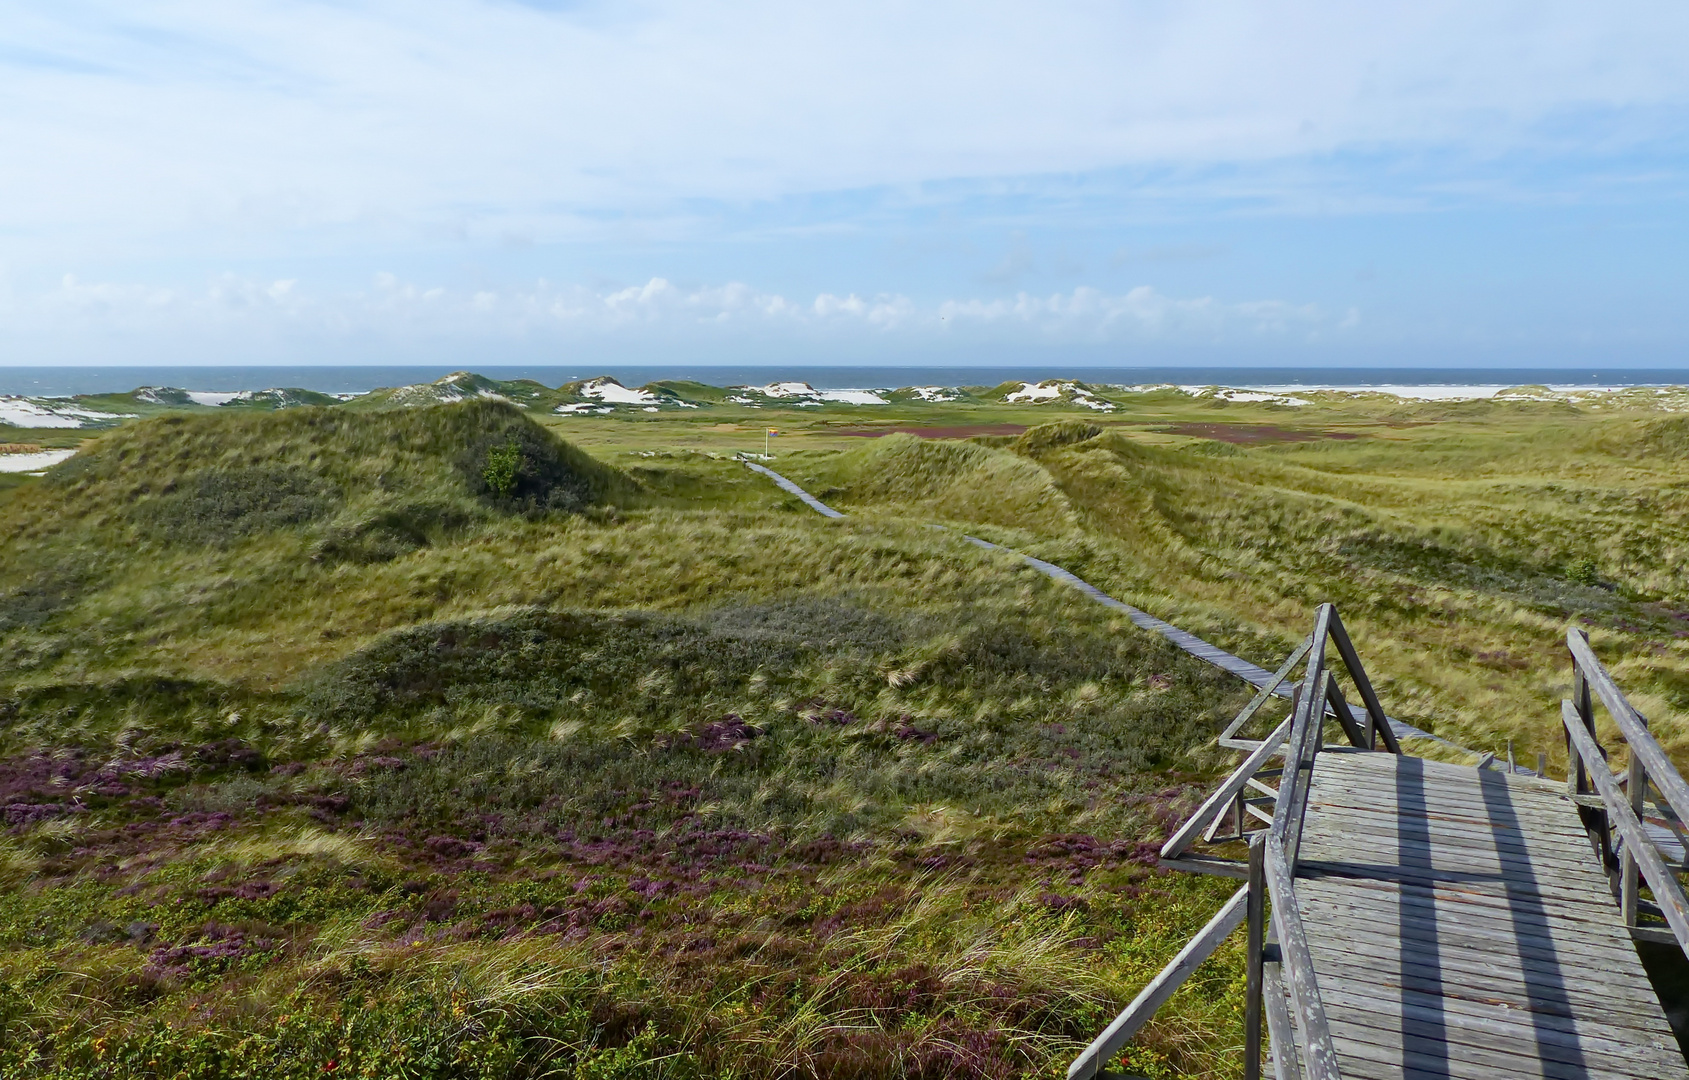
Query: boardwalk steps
x: 1426, y: 920
x: 1436, y: 920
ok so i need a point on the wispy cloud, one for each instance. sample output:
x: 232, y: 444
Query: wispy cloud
x: 941, y: 169
x: 170, y: 115
x: 390, y: 306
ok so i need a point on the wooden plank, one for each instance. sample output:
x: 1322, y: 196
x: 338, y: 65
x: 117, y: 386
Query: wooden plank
x: 1465, y: 873
x: 1316, y: 1050
x: 1631, y: 725
x: 1406, y: 797
x: 1364, y: 822
x: 1579, y: 926
x: 1581, y: 888
x: 1115, y: 1037
x: 1463, y: 854
x: 1373, y: 782
x: 1487, y: 885
x: 1586, y: 939
x: 1300, y: 752
x: 1339, y: 834
x: 1471, y: 932
x: 1287, y: 1062
x: 1267, y: 692
x: 1389, y: 765
x: 1563, y: 1038
x: 1667, y: 893
x: 1429, y: 1029
x: 1217, y: 803
x: 1460, y: 973
x: 1352, y: 728
x: 1549, y: 926
x: 1430, y: 1061
x: 1236, y: 869
x: 1255, y: 931
x: 1363, y: 685
x: 1460, y: 791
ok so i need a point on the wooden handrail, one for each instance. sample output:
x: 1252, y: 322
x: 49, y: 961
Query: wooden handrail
x: 1114, y: 1037
x: 1363, y: 685
x: 1299, y: 755
x: 1262, y: 696
x: 1216, y: 803
x: 1668, y: 894
x: 1631, y: 725
x: 1319, y: 1055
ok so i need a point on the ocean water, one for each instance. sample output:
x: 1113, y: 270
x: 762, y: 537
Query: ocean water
x: 66, y: 381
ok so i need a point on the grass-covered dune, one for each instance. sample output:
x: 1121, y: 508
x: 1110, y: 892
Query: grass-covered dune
x: 418, y: 742
x: 1459, y: 544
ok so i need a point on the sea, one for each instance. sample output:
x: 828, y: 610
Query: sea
x: 1422, y: 382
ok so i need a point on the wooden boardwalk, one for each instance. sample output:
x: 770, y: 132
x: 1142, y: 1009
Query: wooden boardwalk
x: 1460, y: 927
x: 1431, y: 920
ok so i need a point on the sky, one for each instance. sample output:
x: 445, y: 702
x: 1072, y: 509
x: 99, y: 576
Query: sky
x: 1124, y: 183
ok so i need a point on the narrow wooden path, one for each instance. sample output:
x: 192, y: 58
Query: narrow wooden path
x: 1428, y: 921
x: 1459, y: 927
x: 1254, y: 674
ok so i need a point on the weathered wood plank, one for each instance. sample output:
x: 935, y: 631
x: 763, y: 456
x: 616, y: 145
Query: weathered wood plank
x: 1218, y: 803
x: 1542, y: 989
x: 1351, y: 826
x: 1534, y: 938
x: 1352, y: 660
x: 1103, y: 1048
x: 1454, y: 1019
x: 1631, y: 725
x: 1315, y: 1047
x: 1267, y: 692
x: 1667, y: 893
x: 1281, y: 1034
x: 1429, y: 1061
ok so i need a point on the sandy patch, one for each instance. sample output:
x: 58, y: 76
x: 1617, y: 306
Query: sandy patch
x: 41, y: 459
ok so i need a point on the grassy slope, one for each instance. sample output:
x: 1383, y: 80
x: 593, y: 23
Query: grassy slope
x: 712, y: 830
x: 318, y: 752
x: 1457, y: 550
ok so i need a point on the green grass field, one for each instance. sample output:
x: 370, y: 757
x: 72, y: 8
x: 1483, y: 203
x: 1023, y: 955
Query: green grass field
x: 475, y: 740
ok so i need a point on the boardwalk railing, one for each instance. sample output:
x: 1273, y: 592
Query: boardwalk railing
x: 1283, y: 990
x: 1606, y: 809
x: 1284, y: 999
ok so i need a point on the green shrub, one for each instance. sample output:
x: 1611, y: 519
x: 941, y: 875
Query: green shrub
x: 1583, y: 572
x: 503, y: 465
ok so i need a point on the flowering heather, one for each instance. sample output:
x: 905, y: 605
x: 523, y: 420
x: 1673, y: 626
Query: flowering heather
x: 390, y: 775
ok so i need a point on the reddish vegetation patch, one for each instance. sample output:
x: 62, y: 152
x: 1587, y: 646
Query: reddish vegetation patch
x: 942, y: 432
x: 1252, y: 433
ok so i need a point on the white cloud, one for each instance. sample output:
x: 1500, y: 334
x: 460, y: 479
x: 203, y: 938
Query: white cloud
x: 246, y: 120
x: 395, y: 309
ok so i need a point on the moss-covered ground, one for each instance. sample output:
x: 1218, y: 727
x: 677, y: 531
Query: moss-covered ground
x: 326, y: 746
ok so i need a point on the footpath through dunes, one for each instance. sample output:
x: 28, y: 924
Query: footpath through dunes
x: 1253, y: 674
x: 1428, y: 920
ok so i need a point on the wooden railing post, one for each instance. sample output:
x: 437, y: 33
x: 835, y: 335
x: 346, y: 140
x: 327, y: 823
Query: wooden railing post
x: 1636, y: 786
x: 1597, y: 822
x: 1577, y: 781
x: 1256, y: 922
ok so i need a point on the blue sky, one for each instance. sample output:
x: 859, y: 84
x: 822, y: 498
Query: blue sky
x: 488, y: 181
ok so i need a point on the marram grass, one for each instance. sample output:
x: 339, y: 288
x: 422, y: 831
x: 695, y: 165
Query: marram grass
x: 329, y: 748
